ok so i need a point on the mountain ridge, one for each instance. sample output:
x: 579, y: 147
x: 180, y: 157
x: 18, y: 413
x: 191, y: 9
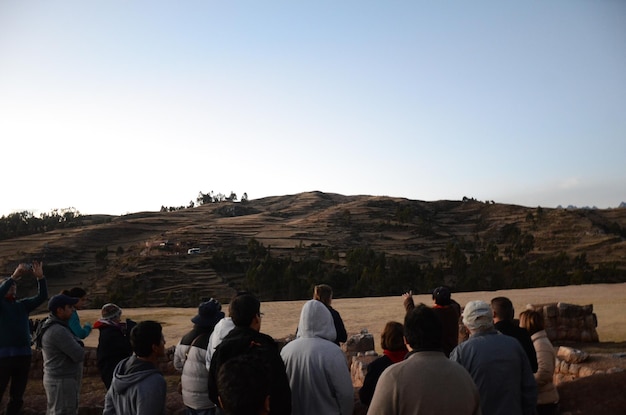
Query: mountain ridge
x: 141, y: 258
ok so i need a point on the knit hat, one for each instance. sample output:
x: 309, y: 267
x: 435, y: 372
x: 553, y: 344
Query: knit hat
x: 441, y: 295
x: 477, y: 314
x: 110, y: 311
x: 60, y: 300
x: 209, y: 313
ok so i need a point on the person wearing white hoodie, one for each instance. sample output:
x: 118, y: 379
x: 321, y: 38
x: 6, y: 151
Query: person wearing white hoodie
x: 316, y: 367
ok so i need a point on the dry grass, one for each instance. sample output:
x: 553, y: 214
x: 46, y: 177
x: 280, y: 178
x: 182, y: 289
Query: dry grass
x: 281, y: 317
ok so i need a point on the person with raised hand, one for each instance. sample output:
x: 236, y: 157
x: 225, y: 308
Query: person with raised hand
x: 15, y: 335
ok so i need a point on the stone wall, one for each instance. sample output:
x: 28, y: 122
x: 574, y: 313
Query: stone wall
x: 572, y: 364
x: 568, y: 322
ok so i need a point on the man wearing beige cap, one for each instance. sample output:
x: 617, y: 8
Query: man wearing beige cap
x: 497, y: 363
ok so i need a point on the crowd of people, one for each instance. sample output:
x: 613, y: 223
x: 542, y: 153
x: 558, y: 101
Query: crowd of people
x: 228, y: 366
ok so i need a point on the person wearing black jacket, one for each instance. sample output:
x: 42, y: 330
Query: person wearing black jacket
x: 394, y: 351
x: 113, y: 342
x: 504, y: 322
x: 246, y: 338
x: 324, y: 293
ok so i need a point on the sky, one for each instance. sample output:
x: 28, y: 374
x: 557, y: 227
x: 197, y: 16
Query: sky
x: 124, y: 106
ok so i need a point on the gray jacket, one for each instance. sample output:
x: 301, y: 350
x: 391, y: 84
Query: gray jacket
x: 318, y: 373
x: 137, y: 388
x: 501, y: 370
x: 63, y: 353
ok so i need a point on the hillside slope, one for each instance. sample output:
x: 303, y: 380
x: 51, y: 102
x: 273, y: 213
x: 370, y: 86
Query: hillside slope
x: 141, y: 258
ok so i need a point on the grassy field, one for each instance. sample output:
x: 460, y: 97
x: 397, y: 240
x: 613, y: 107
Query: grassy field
x: 281, y: 317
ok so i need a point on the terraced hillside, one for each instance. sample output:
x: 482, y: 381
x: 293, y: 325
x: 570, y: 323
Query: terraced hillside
x: 141, y: 259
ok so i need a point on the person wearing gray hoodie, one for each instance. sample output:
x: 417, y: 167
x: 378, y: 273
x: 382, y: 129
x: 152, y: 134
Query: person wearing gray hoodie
x: 138, y: 387
x: 63, y: 356
x: 316, y: 367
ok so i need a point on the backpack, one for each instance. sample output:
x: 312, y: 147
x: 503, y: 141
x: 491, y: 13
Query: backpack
x: 41, y: 328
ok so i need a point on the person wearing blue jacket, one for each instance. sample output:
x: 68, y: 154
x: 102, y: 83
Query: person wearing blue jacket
x: 15, y: 337
x: 80, y: 331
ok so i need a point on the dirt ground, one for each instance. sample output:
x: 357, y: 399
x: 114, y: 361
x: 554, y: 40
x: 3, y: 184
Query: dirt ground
x: 598, y: 394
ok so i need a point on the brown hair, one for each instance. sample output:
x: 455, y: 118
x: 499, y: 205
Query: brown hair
x: 392, y: 337
x: 323, y: 293
x: 531, y: 320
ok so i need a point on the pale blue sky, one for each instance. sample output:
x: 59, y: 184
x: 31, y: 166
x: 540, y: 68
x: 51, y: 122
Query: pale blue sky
x: 124, y: 106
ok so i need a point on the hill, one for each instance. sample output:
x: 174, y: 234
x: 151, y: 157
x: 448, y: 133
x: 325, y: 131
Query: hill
x: 362, y: 245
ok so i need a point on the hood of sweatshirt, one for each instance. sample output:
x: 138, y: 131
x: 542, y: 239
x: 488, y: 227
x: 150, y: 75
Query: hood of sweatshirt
x: 316, y: 321
x: 130, y: 372
x: 52, y: 319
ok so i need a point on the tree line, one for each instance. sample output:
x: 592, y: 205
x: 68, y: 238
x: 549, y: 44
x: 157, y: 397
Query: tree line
x: 26, y: 223
x: 466, y: 266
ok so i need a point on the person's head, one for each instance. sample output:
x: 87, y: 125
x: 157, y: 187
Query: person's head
x: 245, y: 310
x: 243, y: 386
x: 323, y: 293
x: 147, y: 340
x: 62, y: 306
x: 209, y: 313
x: 392, y: 337
x: 442, y: 296
x: 422, y: 329
x: 531, y: 320
x: 477, y: 316
x: 12, y: 289
x: 239, y: 293
x: 79, y: 293
x: 502, y: 309
x: 111, y: 312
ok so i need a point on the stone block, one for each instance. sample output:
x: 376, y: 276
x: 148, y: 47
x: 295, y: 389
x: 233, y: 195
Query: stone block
x: 574, y: 368
x: 550, y: 311
x: 587, y: 309
x: 358, y: 368
x: 591, y: 321
x: 361, y: 342
x: 586, y: 371
x: 571, y: 355
x: 570, y: 310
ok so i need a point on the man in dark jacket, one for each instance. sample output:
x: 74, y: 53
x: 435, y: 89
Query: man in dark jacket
x: 246, y: 338
x: 504, y: 321
x: 15, y: 339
